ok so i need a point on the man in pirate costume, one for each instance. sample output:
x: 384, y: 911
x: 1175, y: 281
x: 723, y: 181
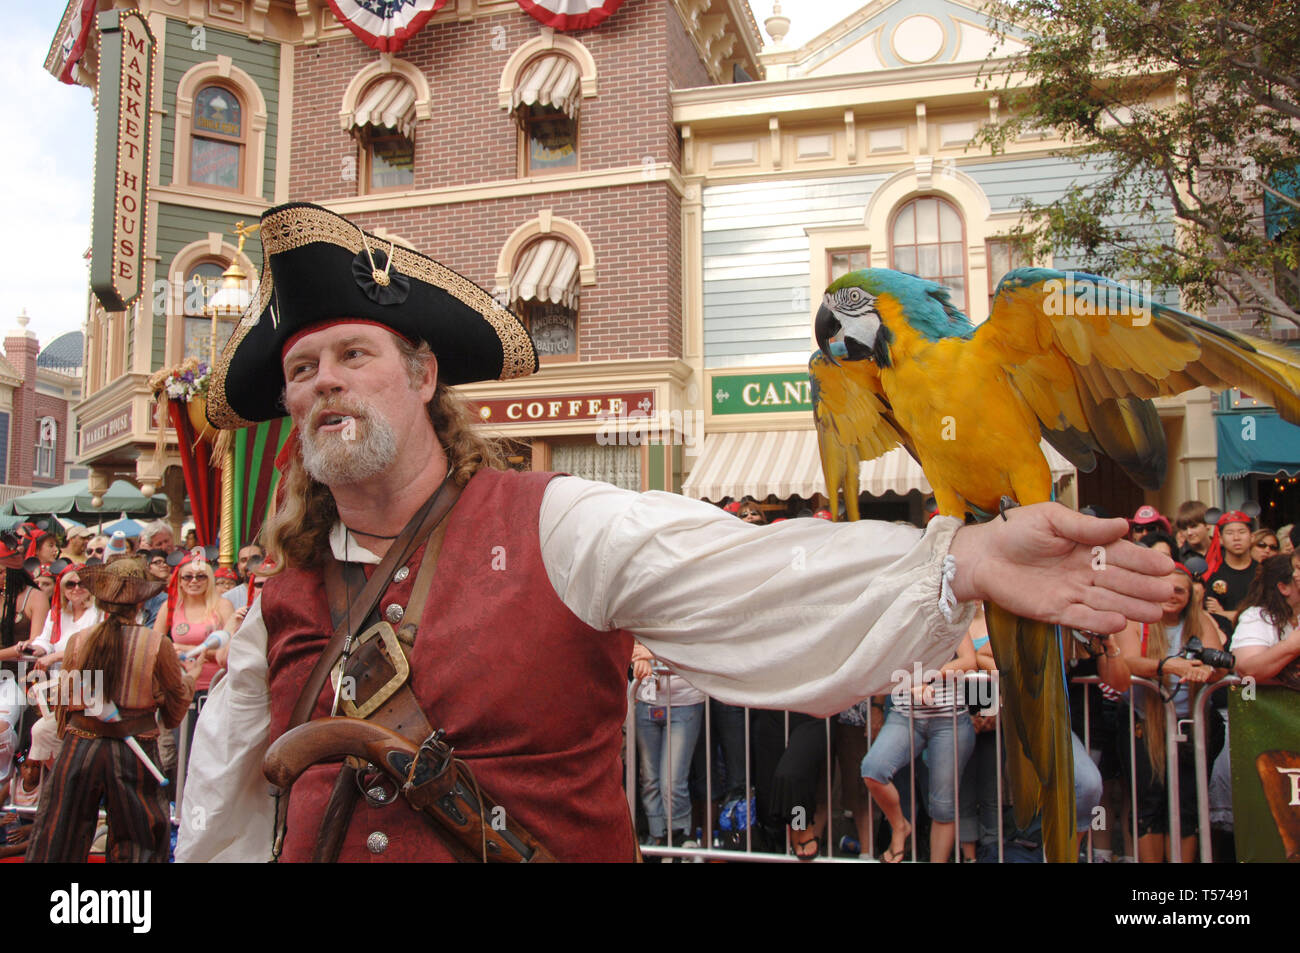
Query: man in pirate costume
x: 510, y: 599
x: 141, y: 676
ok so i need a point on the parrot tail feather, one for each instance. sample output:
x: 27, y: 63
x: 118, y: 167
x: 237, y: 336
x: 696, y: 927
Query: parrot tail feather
x: 1039, y: 750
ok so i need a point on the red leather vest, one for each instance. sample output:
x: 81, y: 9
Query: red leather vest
x: 530, y: 696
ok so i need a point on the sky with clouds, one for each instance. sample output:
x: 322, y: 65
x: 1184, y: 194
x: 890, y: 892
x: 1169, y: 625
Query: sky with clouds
x: 47, y: 175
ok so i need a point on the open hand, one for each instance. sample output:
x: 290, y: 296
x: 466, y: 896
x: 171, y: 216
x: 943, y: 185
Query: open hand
x: 1050, y: 563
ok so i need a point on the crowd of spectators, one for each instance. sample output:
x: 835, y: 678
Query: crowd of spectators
x: 913, y: 774
x: 908, y: 775
x: 45, y: 603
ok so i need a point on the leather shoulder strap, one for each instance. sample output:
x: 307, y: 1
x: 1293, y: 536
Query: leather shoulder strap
x: 352, y: 615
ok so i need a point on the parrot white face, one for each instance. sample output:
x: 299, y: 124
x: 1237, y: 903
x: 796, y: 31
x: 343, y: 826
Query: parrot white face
x: 856, y: 310
x: 849, y: 316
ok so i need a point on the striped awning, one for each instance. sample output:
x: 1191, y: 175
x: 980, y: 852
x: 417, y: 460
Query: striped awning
x: 787, y: 463
x: 547, y: 271
x: 389, y: 104
x: 551, y: 80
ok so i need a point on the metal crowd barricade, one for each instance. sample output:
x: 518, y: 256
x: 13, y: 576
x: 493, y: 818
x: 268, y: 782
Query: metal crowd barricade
x: 1199, y: 750
x: 990, y: 685
x: 1171, y: 760
x: 706, y: 851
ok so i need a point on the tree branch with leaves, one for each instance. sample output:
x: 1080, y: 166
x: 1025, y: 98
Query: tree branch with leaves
x: 1188, y: 114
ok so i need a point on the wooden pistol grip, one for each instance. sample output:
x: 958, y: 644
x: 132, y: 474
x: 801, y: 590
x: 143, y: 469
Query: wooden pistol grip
x: 330, y: 739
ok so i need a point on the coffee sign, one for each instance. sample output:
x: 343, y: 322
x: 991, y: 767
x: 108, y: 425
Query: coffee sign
x: 565, y: 407
x: 121, y: 159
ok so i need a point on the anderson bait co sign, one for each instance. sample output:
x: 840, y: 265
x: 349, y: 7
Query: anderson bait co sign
x: 121, y: 159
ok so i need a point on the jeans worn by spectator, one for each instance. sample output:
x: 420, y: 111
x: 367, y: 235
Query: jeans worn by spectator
x: 892, y: 752
x: 727, y: 727
x: 659, y: 759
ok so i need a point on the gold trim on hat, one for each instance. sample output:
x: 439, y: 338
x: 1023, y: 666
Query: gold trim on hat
x: 301, y: 225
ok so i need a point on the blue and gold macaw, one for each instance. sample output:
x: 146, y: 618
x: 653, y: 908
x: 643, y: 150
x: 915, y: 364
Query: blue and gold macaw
x: 1066, y: 356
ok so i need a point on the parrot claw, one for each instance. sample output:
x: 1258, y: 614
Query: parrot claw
x: 1004, y: 504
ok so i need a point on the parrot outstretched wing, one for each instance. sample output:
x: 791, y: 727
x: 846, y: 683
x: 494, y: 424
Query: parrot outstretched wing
x: 1088, y: 353
x: 854, y: 424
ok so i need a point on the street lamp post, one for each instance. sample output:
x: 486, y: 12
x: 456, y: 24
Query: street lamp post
x: 229, y: 303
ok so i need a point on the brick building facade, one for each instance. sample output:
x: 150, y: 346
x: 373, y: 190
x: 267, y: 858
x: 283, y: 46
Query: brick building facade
x: 462, y: 186
x: 36, y: 422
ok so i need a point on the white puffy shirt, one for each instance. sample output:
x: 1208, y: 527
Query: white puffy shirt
x: 805, y: 615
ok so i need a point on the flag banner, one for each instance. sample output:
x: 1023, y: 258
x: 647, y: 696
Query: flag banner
x: 570, y: 14
x: 202, y: 482
x: 1265, y: 744
x: 255, y: 450
x: 70, y: 42
x: 385, y: 25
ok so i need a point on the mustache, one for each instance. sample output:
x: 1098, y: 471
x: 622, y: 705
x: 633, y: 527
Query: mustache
x: 358, y: 409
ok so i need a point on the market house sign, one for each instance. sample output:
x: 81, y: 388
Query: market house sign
x: 121, y: 159
x: 565, y: 407
x: 761, y: 393
x: 106, y: 428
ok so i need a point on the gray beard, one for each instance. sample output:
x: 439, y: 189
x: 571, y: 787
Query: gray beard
x: 331, y: 460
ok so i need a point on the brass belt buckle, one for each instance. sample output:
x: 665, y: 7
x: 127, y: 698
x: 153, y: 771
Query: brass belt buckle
x: 402, y: 671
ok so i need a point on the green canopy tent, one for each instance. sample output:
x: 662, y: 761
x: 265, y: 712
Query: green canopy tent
x: 74, y: 499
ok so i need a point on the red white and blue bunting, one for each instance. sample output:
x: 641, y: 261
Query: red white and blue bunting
x: 569, y: 14
x: 70, y: 43
x: 385, y: 25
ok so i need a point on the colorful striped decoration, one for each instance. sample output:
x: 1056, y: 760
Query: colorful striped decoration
x: 256, y: 477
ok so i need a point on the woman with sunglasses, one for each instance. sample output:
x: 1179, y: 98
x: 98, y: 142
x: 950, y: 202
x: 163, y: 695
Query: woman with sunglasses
x: 194, y: 610
x: 72, y: 613
x: 1263, y: 544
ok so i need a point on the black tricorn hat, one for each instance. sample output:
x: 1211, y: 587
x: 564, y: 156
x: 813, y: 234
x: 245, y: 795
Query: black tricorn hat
x: 318, y: 267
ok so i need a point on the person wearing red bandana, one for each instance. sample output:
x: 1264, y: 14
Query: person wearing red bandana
x: 505, y: 603
x: 1231, y: 570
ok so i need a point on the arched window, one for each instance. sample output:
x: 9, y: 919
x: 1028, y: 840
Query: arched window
x: 47, y: 438
x: 928, y: 239
x: 545, y: 105
x: 218, y: 138
x: 544, y: 291
x: 201, y: 283
x: 384, y: 124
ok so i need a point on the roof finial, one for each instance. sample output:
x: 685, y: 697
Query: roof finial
x: 777, y: 26
x: 21, y: 331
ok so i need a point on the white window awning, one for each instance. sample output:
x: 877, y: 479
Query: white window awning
x: 389, y: 104
x: 787, y: 463
x: 547, y: 271
x: 551, y: 80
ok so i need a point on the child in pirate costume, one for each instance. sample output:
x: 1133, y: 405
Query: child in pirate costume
x: 141, y: 675
x: 420, y: 585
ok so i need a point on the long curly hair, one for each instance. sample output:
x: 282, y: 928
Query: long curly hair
x: 1264, y: 593
x: 297, y: 535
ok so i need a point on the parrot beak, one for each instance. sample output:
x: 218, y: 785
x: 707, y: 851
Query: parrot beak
x: 825, y: 327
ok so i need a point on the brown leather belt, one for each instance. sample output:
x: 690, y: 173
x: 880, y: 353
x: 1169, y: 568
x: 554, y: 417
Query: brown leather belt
x: 83, y: 726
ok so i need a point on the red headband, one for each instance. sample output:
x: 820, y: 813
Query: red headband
x: 1214, y: 557
x: 334, y: 322
x: 57, y: 602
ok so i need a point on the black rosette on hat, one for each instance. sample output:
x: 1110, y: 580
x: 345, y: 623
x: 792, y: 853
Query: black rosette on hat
x: 381, y: 283
x: 320, y: 268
